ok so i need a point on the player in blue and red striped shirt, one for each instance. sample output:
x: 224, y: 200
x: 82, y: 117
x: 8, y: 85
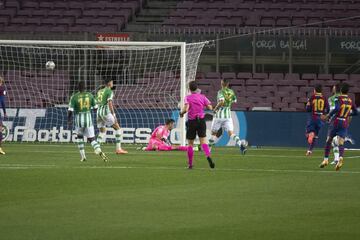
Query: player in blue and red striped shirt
x: 340, y: 116
x: 318, y: 106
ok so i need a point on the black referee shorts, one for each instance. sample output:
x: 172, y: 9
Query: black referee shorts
x: 196, y: 126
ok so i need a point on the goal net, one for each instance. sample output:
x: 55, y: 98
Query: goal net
x: 150, y: 83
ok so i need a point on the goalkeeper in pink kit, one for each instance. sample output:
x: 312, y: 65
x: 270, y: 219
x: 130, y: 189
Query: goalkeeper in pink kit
x: 159, y: 138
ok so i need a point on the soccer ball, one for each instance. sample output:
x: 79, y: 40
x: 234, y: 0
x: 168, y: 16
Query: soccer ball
x: 50, y: 65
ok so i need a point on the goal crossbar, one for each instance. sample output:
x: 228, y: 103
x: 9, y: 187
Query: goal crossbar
x: 90, y: 43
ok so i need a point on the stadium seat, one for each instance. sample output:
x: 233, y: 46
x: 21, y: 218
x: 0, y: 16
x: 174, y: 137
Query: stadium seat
x: 9, y: 12
x: 228, y: 75
x: 269, y: 89
x: 271, y: 13
x: 213, y: 75
x: 268, y: 82
x: 341, y: 77
x: 260, y: 76
x: 19, y: 16
x: 203, y: 82
x: 283, y: 94
x: 272, y: 99
x: 309, y: 76
x: 253, y: 82
x: 292, y: 76
x: 276, y: 76
x: 287, y: 89
x: 278, y: 106
x: 244, y: 75
x: 330, y: 83
x: 263, y: 94
x: 324, y: 76
x: 30, y: 4
x: 354, y: 77
x: 237, y: 82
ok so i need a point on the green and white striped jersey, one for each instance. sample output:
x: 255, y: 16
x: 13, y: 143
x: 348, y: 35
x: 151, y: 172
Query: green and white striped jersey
x: 81, y: 104
x: 103, y: 96
x: 228, y: 96
x: 332, y: 101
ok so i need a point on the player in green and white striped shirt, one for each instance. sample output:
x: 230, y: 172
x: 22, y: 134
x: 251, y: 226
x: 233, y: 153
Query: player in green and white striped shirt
x: 222, y: 119
x: 332, y: 100
x: 81, y: 104
x: 106, y: 116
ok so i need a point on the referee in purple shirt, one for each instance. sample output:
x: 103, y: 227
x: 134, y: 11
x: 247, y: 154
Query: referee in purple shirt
x: 195, y: 103
x: 2, y: 103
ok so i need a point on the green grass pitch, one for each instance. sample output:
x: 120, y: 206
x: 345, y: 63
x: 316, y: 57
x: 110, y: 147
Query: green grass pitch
x: 47, y: 193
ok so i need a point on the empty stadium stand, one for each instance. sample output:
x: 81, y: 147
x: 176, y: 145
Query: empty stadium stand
x: 37, y: 89
x: 115, y: 15
x: 275, y: 91
x: 67, y: 16
x: 264, y: 13
x: 278, y: 91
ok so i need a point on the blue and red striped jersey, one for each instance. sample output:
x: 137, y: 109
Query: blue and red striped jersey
x: 317, y: 105
x: 344, y: 108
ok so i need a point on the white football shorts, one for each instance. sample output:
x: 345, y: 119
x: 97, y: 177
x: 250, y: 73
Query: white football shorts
x: 85, y: 131
x: 106, y: 121
x: 224, y: 123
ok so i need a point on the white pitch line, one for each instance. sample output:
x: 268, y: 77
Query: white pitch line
x: 153, y: 154
x: 25, y: 165
x: 164, y: 154
x: 137, y: 146
x: 72, y: 145
x: 219, y: 169
x: 28, y: 166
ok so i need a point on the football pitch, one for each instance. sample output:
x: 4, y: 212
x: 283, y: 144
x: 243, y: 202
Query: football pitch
x: 270, y: 193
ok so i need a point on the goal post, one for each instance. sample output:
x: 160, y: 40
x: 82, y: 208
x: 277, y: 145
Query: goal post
x: 182, y: 92
x: 150, y: 79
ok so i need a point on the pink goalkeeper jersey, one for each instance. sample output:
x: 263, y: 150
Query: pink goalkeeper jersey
x: 161, y: 131
x: 197, y: 102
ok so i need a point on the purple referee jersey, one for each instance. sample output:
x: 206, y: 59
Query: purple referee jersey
x: 197, y: 102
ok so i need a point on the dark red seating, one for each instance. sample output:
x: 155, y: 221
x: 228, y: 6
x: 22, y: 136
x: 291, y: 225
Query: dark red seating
x: 37, y: 89
x: 63, y: 15
x: 266, y: 13
x: 287, y: 92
